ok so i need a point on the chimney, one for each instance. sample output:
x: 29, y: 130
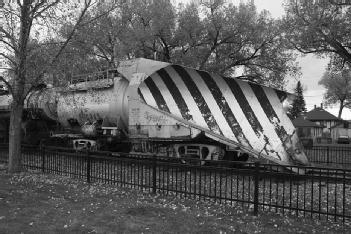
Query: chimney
x: 315, y: 106
x: 321, y: 105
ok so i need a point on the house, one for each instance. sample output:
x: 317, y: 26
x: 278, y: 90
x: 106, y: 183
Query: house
x: 306, y: 128
x: 321, y: 126
x: 341, y: 129
x: 322, y: 117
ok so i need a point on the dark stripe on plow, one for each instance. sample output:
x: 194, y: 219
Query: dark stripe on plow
x: 160, y: 101
x: 245, y: 106
x: 141, y: 95
x: 269, y: 111
x: 199, y: 100
x: 173, y: 89
x: 224, y: 107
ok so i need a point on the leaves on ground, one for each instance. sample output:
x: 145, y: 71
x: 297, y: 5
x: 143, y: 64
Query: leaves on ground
x: 42, y: 203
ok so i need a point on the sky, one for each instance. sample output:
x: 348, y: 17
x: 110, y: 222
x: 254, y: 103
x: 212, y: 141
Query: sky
x: 312, y: 68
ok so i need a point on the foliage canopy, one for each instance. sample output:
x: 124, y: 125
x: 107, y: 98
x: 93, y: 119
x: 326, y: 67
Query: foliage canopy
x: 233, y: 40
x: 320, y: 27
x: 338, y: 88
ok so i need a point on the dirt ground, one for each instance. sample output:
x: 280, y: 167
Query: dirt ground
x: 38, y: 203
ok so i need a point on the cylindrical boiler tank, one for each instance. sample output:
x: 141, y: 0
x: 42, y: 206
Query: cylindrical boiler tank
x: 87, y: 103
x: 44, y: 100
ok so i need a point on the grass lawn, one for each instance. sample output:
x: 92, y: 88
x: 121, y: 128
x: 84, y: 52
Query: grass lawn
x: 41, y: 203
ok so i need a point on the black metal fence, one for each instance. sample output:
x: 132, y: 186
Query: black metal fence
x: 302, y: 191
x: 330, y: 156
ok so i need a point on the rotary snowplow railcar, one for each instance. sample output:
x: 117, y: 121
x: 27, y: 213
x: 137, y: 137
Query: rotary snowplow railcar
x: 170, y: 110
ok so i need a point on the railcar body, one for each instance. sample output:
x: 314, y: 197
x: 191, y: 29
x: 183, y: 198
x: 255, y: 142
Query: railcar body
x: 176, y: 111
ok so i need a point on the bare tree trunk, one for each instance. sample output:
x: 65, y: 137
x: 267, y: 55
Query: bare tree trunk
x: 18, y: 89
x: 341, y: 108
x: 15, y: 138
x: 29, y: 11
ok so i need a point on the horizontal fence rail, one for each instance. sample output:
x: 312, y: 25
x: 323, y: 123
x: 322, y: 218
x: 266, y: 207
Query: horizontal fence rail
x: 333, y: 156
x: 314, y: 192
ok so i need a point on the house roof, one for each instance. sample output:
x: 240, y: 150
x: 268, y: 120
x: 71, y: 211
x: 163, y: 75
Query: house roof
x: 343, y: 124
x: 302, y: 122
x: 320, y: 114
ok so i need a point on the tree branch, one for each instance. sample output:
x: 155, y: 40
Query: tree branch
x: 8, y: 58
x: 311, y: 51
x: 10, y: 37
x: 38, y: 13
x: 208, y: 54
x: 338, y: 47
x: 19, y: 3
x: 104, y: 55
x: 7, y: 84
x: 9, y: 44
x: 101, y: 15
x: 244, y: 60
x: 55, y: 58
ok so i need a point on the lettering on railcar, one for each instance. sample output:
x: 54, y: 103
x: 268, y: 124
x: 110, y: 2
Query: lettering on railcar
x: 152, y: 118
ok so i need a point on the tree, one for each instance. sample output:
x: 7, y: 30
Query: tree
x: 320, y: 27
x: 216, y: 37
x: 132, y: 29
x: 150, y: 32
x: 338, y: 88
x: 30, y: 54
x: 235, y: 41
x: 299, y: 105
x: 98, y: 40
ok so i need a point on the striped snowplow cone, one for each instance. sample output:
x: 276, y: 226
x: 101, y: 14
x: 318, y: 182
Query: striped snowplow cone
x: 249, y: 115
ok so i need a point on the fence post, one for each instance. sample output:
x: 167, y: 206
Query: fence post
x: 154, y: 161
x: 88, y: 166
x: 42, y: 153
x: 256, y: 187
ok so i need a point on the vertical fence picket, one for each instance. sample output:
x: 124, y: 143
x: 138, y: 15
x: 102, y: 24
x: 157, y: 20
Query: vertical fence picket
x: 154, y: 171
x: 88, y: 160
x: 321, y: 193
x: 256, y: 187
x: 43, y: 156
